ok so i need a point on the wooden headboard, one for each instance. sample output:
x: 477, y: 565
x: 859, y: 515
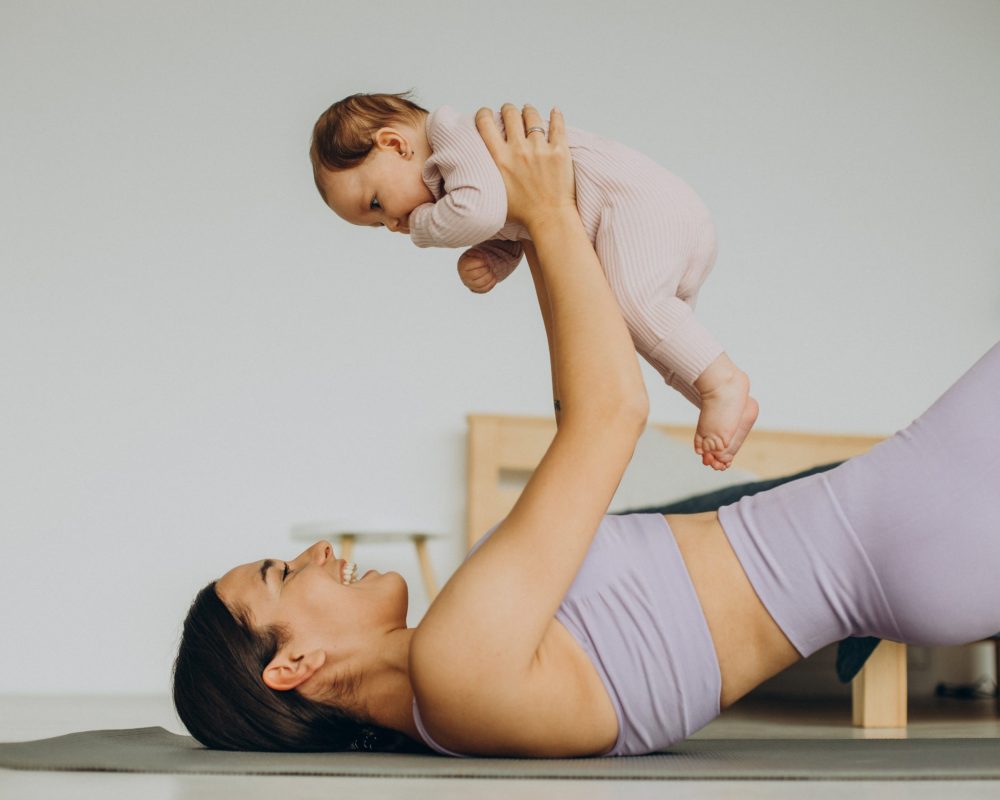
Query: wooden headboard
x: 501, y: 447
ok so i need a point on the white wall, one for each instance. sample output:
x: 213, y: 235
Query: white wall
x: 194, y: 353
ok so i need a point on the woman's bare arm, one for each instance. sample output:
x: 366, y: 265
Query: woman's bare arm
x: 546, y: 310
x: 474, y: 652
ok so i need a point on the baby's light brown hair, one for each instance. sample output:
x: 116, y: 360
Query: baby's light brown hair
x: 343, y: 134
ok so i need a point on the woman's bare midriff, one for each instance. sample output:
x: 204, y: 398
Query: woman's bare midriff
x: 748, y: 642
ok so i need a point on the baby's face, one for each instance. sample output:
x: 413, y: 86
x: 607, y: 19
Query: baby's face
x: 382, y: 190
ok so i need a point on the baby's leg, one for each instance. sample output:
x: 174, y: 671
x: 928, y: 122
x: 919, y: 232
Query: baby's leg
x: 646, y: 254
x: 728, y: 412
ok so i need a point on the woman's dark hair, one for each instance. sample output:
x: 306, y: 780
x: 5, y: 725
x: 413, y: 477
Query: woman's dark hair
x: 342, y: 136
x: 223, y: 701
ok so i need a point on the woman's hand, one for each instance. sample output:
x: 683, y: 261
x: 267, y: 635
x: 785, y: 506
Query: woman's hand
x: 537, y: 169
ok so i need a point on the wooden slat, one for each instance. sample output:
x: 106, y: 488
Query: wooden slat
x: 497, y: 443
x: 771, y: 454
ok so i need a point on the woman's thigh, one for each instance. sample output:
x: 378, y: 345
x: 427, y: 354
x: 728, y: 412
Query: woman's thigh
x: 925, y: 506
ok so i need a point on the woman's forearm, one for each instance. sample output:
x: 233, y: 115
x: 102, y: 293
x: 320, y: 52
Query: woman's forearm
x: 546, y: 310
x: 595, y: 367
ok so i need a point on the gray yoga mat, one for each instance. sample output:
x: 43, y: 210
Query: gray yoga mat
x: 158, y: 750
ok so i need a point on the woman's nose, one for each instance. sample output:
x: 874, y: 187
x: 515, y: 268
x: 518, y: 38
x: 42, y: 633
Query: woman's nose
x: 320, y: 552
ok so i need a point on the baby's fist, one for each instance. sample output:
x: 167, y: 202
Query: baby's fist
x: 475, y: 271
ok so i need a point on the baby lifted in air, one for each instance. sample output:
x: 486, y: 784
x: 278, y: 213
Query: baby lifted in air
x: 382, y: 160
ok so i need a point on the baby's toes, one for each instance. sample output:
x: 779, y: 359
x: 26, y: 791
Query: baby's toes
x: 718, y: 465
x: 699, y: 444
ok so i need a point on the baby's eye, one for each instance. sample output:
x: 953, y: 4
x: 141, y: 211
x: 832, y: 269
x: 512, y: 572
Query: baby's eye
x: 374, y: 204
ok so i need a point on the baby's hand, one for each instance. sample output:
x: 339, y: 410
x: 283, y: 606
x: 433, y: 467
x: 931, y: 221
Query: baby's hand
x: 475, y: 271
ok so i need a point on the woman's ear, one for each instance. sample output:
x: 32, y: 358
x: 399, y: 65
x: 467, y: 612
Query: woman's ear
x: 286, y: 671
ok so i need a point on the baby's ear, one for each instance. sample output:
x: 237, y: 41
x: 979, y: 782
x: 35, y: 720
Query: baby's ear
x: 287, y: 671
x: 391, y: 139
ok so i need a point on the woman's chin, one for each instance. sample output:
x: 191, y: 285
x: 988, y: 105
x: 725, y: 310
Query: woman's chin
x: 403, y: 589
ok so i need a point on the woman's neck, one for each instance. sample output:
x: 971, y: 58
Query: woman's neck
x: 385, y: 686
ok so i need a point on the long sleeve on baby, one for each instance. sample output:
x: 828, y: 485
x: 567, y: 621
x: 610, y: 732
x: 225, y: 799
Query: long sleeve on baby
x: 473, y: 207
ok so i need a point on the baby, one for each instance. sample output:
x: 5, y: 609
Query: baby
x: 382, y: 160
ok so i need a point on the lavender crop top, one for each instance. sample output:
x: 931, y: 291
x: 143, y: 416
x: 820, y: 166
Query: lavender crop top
x: 633, y: 609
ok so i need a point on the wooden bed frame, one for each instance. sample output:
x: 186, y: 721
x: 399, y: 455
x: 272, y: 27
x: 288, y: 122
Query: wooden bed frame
x: 503, y: 450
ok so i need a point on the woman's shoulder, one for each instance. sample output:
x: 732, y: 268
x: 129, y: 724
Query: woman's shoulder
x: 558, y: 708
x: 561, y: 692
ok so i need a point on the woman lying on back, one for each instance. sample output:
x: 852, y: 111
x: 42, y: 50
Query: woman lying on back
x: 567, y: 632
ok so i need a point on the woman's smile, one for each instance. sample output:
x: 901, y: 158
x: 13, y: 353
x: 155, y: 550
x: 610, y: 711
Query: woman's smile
x: 348, y: 572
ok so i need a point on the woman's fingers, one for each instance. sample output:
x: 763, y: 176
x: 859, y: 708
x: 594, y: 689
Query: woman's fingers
x: 488, y: 129
x: 517, y: 123
x: 512, y: 122
x: 538, y: 176
x: 532, y: 122
x: 557, y: 127
x: 500, y: 144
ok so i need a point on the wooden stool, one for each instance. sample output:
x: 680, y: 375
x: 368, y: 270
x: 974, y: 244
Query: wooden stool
x: 345, y: 539
x: 878, y: 691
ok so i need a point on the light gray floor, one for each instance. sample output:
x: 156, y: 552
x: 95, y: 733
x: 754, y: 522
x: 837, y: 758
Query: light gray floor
x: 756, y: 717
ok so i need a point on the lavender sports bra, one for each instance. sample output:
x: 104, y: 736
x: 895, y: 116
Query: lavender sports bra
x: 634, y: 611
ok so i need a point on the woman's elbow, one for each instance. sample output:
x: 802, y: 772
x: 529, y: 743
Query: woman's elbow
x: 634, y: 409
x: 633, y: 397
x: 640, y: 406
x: 626, y: 409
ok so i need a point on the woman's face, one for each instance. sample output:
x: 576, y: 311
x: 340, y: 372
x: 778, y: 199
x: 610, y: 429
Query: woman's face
x: 309, y: 598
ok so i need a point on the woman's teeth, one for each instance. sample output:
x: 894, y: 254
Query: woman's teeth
x: 349, y: 573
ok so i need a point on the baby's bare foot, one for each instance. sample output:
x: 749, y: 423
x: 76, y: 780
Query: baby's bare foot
x: 747, y: 419
x: 725, y: 418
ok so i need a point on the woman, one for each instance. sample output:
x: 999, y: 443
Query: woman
x: 570, y: 633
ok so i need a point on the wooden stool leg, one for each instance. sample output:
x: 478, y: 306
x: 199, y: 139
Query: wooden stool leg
x: 430, y: 583
x: 346, y: 546
x: 878, y: 692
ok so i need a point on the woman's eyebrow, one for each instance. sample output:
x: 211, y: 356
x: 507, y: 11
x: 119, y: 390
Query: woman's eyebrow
x: 264, y: 567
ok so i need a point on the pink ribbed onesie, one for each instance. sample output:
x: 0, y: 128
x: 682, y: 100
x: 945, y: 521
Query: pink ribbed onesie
x: 652, y: 233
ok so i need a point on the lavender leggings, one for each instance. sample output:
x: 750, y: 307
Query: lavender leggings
x: 902, y: 543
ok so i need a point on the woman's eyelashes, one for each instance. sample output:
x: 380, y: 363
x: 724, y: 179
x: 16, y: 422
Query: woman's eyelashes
x: 284, y: 574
